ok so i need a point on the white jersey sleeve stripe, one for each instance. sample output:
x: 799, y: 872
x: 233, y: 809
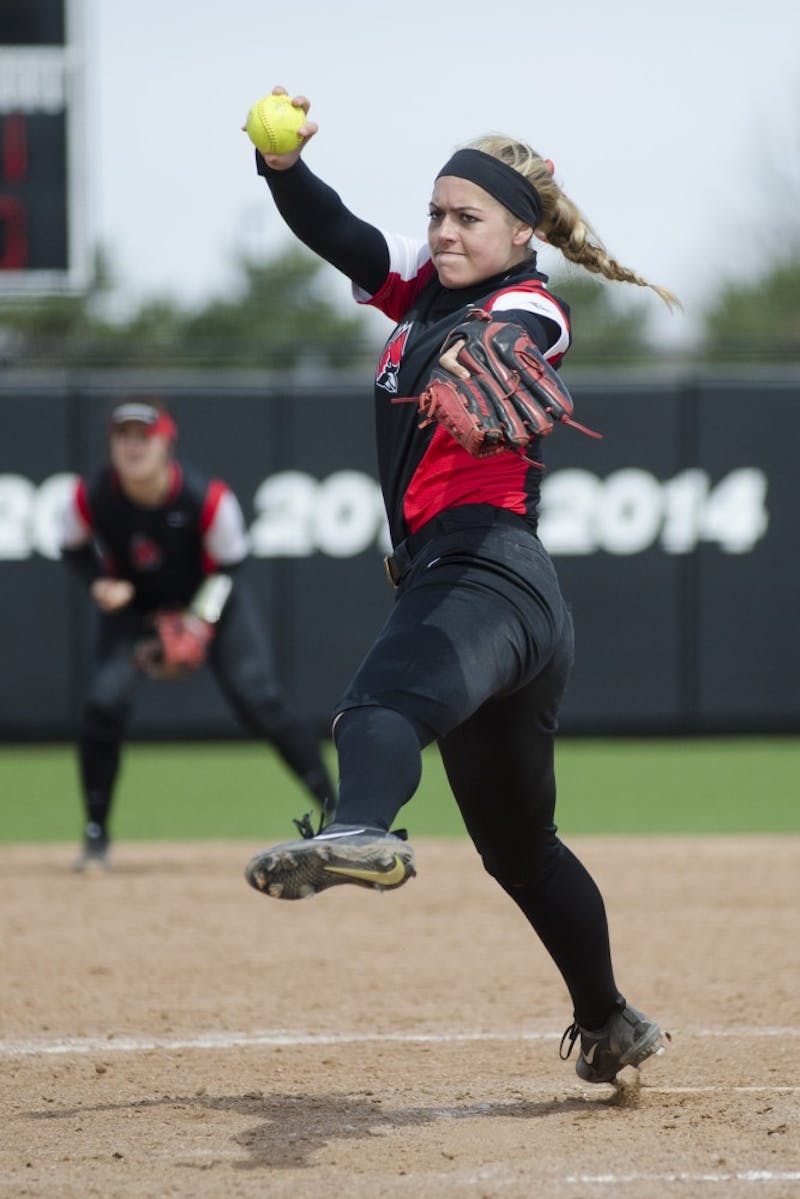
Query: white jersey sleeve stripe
x: 407, y: 257
x: 539, y: 304
x: 74, y: 531
x: 225, y: 538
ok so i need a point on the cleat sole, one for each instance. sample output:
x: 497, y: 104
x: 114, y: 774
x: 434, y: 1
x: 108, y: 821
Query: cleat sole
x: 308, y: 868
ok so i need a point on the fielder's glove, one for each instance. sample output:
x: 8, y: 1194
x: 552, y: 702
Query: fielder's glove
x: 510, y: 397
x: 178, y: 646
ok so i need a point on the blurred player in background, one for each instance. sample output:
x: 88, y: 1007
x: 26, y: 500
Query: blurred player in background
x: 160, y: 548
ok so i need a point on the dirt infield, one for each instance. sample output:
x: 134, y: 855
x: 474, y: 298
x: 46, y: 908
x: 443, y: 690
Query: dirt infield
x: 168, y: 1032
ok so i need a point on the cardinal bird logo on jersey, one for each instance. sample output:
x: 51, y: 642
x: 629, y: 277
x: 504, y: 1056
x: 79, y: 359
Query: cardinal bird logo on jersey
x: 389, y: 365
x: 145, y: 554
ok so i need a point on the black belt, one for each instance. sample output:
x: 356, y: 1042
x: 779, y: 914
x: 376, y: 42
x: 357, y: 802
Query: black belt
x: 469, y: 516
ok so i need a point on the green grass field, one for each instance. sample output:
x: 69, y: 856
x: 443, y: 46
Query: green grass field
x: 234, y: 790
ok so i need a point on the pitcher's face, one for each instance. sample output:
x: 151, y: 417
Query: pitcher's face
x: 471, y: 235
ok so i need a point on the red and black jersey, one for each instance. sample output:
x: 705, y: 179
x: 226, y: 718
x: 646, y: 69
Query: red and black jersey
x: 425, y: 471
x: 165, y: 551
x: 422, y: 471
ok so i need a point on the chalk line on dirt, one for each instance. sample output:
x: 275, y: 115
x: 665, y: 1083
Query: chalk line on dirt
x: 62, y: 1046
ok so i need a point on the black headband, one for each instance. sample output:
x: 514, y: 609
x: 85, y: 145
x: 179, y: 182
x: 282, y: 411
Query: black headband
x: 500, y: 180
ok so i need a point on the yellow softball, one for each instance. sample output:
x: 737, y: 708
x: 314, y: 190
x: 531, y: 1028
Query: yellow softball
x: 272, y: 124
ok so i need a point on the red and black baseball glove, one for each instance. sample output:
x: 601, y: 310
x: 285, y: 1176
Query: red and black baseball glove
x: 177, y: 647
x: 511, y: 396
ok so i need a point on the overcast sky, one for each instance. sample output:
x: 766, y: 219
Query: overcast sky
x: 663, y: 121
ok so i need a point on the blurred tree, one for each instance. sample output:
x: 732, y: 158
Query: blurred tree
x: 53, y: 329
x: 758, y: 320
x: 283, y: 318
x: 756, y: 316
x: 609, y: 325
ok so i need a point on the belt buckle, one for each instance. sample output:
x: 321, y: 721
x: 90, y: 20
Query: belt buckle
x: 392, y: 571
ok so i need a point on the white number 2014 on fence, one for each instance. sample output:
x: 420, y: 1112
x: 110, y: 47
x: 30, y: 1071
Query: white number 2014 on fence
x: 631, y: 510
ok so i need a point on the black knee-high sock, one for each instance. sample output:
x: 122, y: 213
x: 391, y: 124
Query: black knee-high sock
x: 99, y: 760
x: 567, y: 911
x: 380, y: 765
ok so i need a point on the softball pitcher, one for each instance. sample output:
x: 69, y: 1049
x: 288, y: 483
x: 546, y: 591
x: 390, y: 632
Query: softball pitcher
x: 477, y: 651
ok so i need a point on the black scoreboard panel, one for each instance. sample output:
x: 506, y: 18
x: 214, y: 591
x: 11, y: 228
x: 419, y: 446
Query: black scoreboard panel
x: 38, y: 184
x: 32, y: 23
x: 34, y: 192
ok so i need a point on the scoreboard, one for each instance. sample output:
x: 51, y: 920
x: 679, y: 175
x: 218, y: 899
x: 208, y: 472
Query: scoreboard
x: 42, y: 197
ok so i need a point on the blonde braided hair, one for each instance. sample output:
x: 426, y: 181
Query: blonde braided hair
x: 563, y: 225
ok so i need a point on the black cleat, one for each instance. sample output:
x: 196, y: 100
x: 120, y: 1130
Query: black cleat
x: 95, y: 850
x: 627, y: 1038
x: 341, y: 853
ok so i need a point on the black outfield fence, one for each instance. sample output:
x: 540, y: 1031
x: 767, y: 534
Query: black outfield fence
x: 676, y: 540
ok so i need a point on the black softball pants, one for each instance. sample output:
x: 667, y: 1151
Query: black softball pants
x: 476, y: 655
x: 241, y: 660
